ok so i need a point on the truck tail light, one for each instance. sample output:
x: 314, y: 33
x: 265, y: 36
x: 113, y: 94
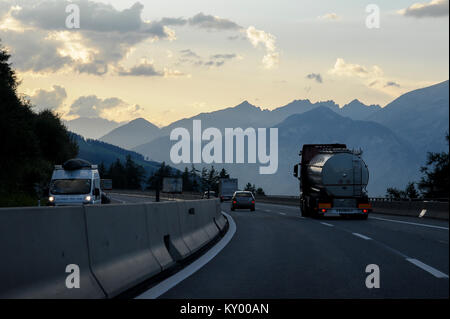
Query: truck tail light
x: 324, y: 210
x: 365, y: 211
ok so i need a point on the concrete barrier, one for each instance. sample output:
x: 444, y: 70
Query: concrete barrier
x: 194, y: 234
x: 36, y: 245
x: 219, y: 218
x: 119, y: 246
x: 116, y: 247
x: 165, y: 237
x: 206, y: 219
x: 437, y: 210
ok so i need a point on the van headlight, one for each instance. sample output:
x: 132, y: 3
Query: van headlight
x: 88, y: 198
x: 51, y: 199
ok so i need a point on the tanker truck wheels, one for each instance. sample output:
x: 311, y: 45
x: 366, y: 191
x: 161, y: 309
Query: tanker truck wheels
x: 303, y: 209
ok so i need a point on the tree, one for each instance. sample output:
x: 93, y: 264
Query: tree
x: 260, y: 191
x: 250, y: 188
x: 224, y: 174
x: 395, y: 194
x: 187, y: 182
x: 102, y: 170
x: 32, y: 142
x: 435, y: 182
x: 409, y: 193
x: 134, y: 174
x: 155, y: 180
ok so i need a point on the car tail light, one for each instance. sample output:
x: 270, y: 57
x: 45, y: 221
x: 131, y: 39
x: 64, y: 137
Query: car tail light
x: 364, y: 205
x: 253, y: 201
x: 324, y: 205
x: 365, y: 211
x: 324, y: 210
x: 234, y: 202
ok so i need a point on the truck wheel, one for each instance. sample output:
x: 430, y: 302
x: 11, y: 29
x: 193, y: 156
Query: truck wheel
x: 303, y: 209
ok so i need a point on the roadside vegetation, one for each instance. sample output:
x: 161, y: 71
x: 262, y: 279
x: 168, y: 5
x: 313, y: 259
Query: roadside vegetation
x: 434, y: 183
x: 32, y: 142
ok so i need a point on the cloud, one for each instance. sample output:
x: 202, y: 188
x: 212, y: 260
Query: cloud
x: 189, y: 53
x: 343, y: 68
x: 33, y: 51
x: 106, y: 36
x: 144, y: 69
x: 52, y: 99
x: 189, y: 56
x: 95, y: 16
x: 267, y: 40
x: 330, y: 17
x: 435, y: 8
x: 211, y: 22
x: 110, y: 108
x: 315, y: 76
x: 224, y: 56
x: 372, y: 77
x: 36, y: 31
x: 392, y: 83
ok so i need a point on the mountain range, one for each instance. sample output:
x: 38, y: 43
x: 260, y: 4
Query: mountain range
x: 91, y: 127
x: 394, y: 139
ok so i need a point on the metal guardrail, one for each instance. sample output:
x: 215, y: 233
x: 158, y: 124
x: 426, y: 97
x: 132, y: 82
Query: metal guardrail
x: 423, y: 200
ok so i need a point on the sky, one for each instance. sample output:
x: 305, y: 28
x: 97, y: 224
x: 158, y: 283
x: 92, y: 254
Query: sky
x: 171, y: 59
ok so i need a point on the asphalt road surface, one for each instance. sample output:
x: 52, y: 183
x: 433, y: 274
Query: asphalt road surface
x: 275, y: 253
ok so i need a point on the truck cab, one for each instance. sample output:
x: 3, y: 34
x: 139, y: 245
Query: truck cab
x: 76, y: 182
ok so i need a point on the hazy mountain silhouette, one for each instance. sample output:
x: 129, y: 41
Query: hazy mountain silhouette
x: 91, y: 127
x: 357, y: 110
x: 391, y: 160
x: 420, y: 116
x: 395, y: 140
x: 132, y: 134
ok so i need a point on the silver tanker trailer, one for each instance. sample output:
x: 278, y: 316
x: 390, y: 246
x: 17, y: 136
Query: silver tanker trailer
x: 333, y: 181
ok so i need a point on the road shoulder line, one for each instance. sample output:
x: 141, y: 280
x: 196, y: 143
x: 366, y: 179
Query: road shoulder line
x: 192, y: 268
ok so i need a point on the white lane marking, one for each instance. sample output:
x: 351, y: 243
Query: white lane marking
x: 301, y: 217
x: 174, y: 280
x: 362, y: 236
x: 267, y: 210
x: 436, y: 273
x: 422, y: 213
x: 282, y: 213
x: 326, y: 224
x: 409, y: 223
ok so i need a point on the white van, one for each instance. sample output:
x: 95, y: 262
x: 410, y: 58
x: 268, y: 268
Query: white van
x: 76, y: 182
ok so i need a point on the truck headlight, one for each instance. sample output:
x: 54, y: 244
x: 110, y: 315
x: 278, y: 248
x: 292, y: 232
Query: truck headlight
x: 51, y: 199
x: 88, y: 198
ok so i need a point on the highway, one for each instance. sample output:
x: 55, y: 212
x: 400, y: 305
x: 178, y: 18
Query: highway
x: 275, y: 253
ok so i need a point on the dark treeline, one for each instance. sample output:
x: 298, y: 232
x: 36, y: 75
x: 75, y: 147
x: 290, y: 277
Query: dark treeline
x: 128, y: 175
x: 194, y: 180
x: 434, y: 184
x: 32, y: 142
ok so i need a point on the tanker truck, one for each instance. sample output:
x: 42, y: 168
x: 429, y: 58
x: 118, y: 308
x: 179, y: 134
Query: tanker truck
x: 333, y: 181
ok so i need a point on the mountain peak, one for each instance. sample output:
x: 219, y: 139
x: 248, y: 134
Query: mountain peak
x: 244, y: 105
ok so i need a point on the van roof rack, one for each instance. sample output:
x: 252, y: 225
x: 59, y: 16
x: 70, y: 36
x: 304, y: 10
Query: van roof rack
x: 77, y: 163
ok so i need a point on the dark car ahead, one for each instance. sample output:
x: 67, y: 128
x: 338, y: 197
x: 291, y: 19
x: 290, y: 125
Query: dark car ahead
x: 243, y: 199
